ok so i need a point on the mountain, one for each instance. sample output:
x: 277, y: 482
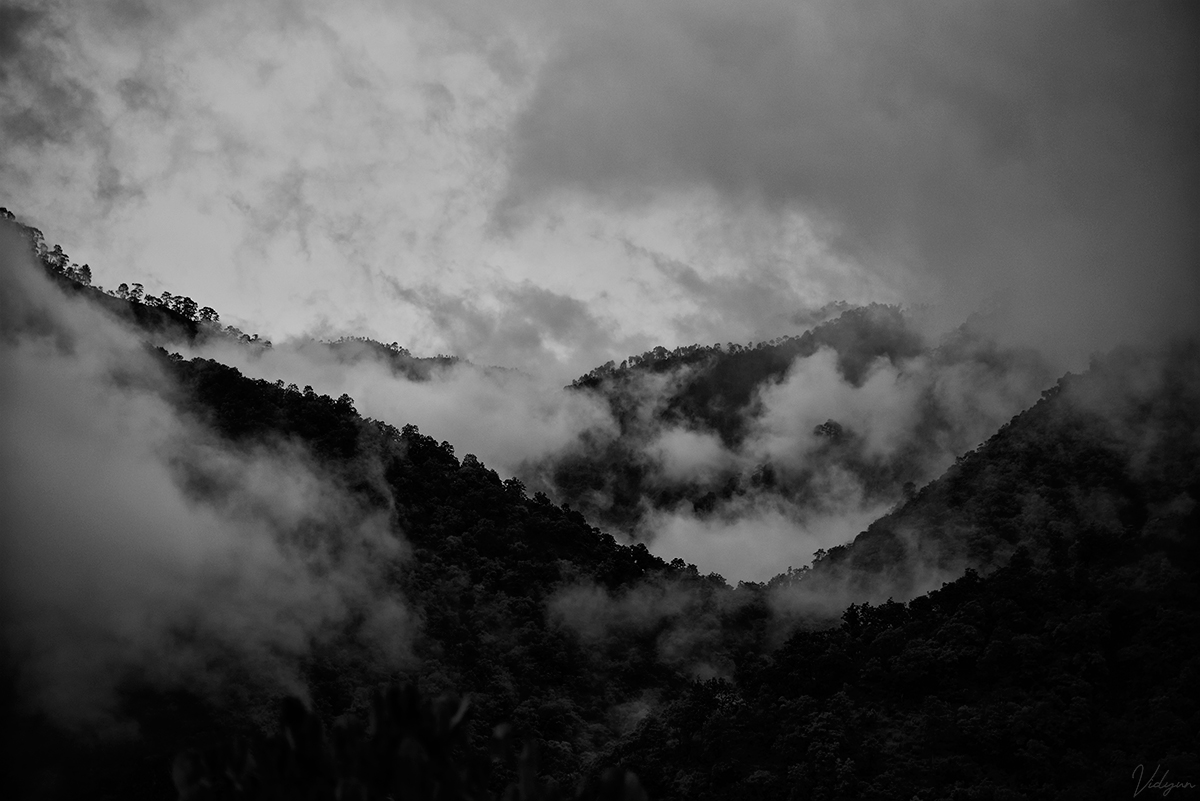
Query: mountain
x: 1102, y: 467
x: 461, y: 564
x: 1024, y: 625
x: 1064, y: 658
x: 866, y: 401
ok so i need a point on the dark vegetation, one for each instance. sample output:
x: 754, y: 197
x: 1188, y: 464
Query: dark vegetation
x: 413, y: 748
x: 1092, y: 469
x: 1052, y: 676
x: 1067, y: 654
x: 718, y: 390
x: 168, y: 320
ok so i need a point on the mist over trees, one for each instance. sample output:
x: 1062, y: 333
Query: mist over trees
x: 851, y: 416
x: 1020, y: 621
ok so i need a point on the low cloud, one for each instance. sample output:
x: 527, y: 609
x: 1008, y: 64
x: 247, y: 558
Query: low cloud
x: 683, y: 618
x: 782, y: 281
x: 810, y: 458
x: 756, y: 538
x: 507, y: 418
x: 807, y: 597
x: 139, y: 545
x: 687, y: 455
x: 523, y: 326
x: 931, y: 408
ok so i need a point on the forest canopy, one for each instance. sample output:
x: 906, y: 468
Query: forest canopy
x: 1022, y: 624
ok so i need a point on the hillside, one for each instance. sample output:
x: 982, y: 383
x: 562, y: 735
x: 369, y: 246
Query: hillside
x: 865, y: 401
x: 1103, y: 467
x: 327, y: 555
x: 1064, y: 658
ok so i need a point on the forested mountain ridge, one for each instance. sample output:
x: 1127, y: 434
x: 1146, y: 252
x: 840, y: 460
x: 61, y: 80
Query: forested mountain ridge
x: 171, y: 321
x: 1026, y: 682
x: 1103, y: 459
x: 701, y: 429
x: 1065, y: 660
x: 715, y: 394
x: 1069, y: 659
x: 472, y: 563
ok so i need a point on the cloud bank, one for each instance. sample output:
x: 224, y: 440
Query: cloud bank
x: 137, y: 545
x: 533, y: 183
x: 505, y: 417
x: 748, y: 460
x: 550, y: 185
x: 1039, y: 154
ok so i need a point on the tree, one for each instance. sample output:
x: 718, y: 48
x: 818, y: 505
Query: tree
x: 185, y: 306
x: 414, y: 748
x: 82, y: 275
x: 830, y: 429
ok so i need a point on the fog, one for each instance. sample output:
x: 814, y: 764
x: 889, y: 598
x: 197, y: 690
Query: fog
x: 547, y: 186
x: 137, y: 543
x: 505, y: 417
x: 818, y: 452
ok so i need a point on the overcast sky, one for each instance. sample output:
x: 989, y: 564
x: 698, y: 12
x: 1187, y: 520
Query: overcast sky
x: 558, y: 183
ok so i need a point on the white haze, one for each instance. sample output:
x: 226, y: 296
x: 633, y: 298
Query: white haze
x: 137, y: 544
x: 759, y: 534
x: 520, y: 423
x: 756, y: 539
x: 505, y: 417
x: 886, y: 407
x: 686, y: 617
x: 549, y: 185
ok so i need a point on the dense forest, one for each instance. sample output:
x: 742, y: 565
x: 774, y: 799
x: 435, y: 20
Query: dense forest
x: 1022, y: 624
x: 721, y: 394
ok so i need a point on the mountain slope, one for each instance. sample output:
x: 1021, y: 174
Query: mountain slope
x: 855, y: 408
x: 1071, y: 663
x: 1107, y: 463
x: 1066, y: 656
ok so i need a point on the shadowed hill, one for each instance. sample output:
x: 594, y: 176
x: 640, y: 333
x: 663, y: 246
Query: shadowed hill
x: 482, y: 560
x: 702, y: 429
x: 1064, y: 668
x: 721, y: 383
x: 1105, y: 465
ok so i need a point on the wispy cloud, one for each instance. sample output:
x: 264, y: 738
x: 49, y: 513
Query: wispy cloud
x: 507, y: 418
x: 138, y: 542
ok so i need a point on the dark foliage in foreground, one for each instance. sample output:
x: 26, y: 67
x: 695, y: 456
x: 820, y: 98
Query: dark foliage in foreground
x: 413, y: 748
x: 1054, y: 676
x: 1027, y: 684
x: 483, y: 560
